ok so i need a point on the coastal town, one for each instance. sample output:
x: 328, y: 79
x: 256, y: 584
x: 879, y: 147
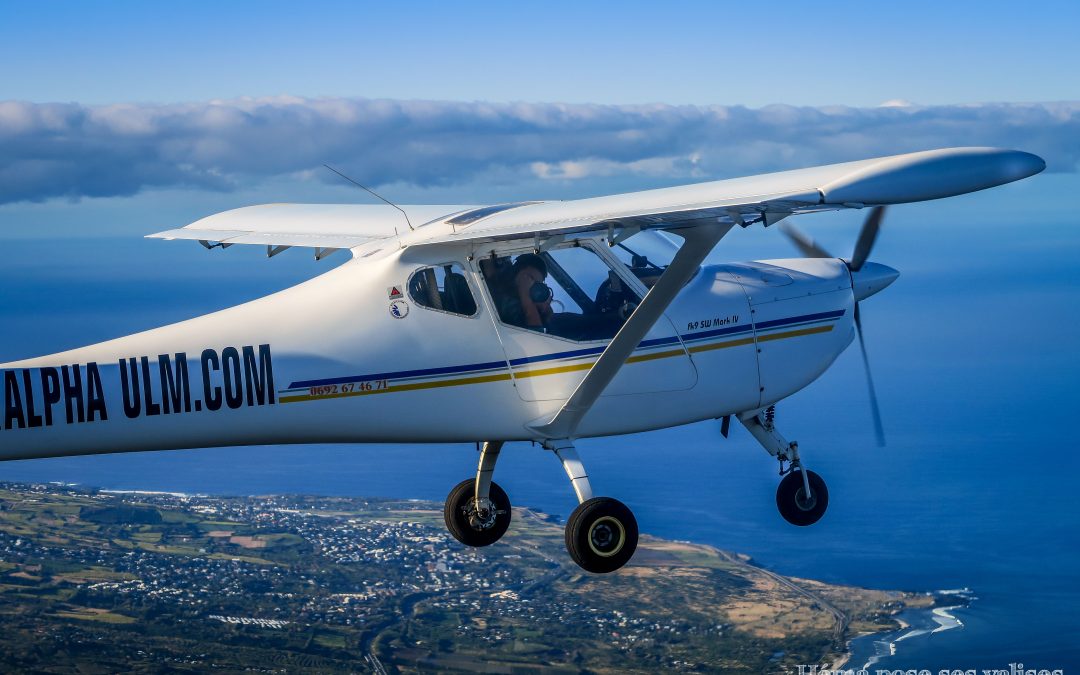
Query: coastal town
x: 102, y: 580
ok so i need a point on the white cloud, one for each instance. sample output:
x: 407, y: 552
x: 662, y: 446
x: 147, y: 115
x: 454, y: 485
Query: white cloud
x: 68, y: 150
x: 897, y: 103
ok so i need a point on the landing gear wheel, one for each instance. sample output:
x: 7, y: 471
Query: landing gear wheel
x: 792, y: 500
x: 472, y: 526
x: 601, y: 535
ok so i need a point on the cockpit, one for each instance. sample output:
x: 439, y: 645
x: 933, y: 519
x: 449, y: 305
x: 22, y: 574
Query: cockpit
x: 571, y: 291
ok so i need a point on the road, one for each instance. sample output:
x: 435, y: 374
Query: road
x: 838, y: 615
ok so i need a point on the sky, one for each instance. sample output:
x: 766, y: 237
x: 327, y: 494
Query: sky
x: 850, y: 53
x: 129, y: 107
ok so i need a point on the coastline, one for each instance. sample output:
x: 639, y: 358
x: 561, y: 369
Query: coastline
x: 869, y: 649
x: 842, y: 660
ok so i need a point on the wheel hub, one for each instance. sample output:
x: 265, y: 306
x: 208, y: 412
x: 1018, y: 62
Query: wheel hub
x: 607, y: 536
x: 482, y: 517
x: 803, y: 502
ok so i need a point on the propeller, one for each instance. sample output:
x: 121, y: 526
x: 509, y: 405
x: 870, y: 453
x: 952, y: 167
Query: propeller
x: 867, y: 237
x: 863, y: 245
x: 879, y: 430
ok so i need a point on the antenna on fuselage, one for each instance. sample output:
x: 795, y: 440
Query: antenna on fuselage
x: 376, y: 194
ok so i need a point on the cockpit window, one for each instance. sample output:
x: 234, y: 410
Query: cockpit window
x: 470, y: 217
x: 568, y: 292
x: 443, y: 288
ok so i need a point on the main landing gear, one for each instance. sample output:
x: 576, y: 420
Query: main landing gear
x: 601, y: 533
x: 477, y: 511
x: 802, y: 496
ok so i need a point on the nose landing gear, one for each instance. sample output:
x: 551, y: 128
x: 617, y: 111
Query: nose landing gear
x: 802, y: 496
x: 793, y: 501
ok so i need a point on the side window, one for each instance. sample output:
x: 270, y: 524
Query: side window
x: 568, y: 292
x: 443, y: 288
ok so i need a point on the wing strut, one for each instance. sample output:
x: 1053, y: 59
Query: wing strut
x: 698, y: 242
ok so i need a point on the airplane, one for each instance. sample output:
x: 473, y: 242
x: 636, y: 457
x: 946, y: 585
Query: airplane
x: 543, y: 321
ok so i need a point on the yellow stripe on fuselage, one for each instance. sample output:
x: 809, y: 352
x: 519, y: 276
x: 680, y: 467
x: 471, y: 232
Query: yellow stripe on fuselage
x: 539, y: 372
x: 795, y: 333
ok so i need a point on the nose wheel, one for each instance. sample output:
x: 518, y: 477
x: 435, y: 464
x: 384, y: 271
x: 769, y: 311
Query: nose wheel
x: 795, y: 505
x: 801, y: 496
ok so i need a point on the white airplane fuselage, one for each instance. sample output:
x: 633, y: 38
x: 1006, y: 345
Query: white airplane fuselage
x: 327, y: 361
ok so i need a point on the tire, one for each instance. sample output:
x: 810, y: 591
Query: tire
x: 601, y: 535
x: 790, y: 498
x: 459, y: 512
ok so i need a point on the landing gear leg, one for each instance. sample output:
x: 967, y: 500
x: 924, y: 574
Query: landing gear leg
x: 802, y: 496
x: 477, y: 511
x: 601, y: 533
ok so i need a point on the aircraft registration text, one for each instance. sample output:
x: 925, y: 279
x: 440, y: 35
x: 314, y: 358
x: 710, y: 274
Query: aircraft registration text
x: 348, y: 388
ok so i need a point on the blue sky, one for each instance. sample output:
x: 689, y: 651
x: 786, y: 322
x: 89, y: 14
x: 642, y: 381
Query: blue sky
x: 852, y: 53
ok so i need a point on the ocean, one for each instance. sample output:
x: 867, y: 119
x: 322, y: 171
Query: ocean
x: 974, y: 352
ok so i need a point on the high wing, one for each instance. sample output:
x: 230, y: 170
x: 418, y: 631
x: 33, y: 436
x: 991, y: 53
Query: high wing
x: 324, y: 227
x: 765, y: 198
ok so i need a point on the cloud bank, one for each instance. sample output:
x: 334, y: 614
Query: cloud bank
x: 57, y: 150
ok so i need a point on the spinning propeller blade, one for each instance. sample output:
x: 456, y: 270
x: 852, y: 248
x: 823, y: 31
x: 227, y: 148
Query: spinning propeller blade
x: 879, y: 429
x: 867, y: 237
x: 806, y: 245
x: 863, y: 246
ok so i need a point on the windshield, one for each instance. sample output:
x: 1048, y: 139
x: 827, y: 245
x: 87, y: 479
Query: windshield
x: 646, y: 254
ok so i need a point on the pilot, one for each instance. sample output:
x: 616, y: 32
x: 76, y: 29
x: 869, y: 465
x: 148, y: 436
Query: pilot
x: 526, y: 301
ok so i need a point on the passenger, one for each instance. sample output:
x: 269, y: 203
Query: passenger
x: 526, y: 301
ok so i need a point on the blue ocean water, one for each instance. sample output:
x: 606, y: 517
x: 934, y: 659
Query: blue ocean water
x: 974, y: 352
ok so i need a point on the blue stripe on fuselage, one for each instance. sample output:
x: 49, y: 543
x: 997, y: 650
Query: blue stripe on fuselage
x: 575, y: 353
